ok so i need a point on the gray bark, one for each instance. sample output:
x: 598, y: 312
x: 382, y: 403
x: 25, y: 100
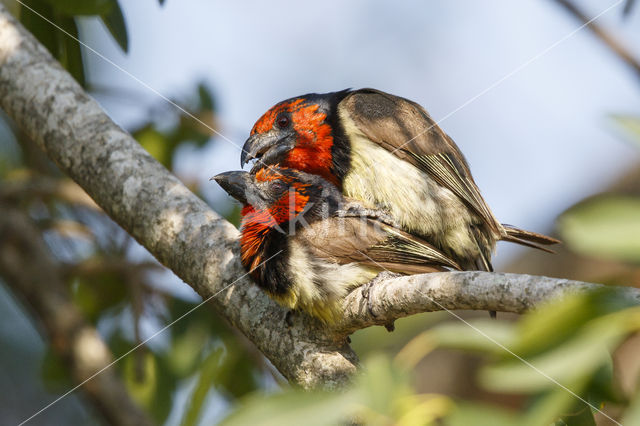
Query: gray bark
x: 185, y: 235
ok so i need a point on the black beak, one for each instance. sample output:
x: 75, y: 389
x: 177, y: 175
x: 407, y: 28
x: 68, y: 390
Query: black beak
x: 235, y: 183
x: 269, y: 147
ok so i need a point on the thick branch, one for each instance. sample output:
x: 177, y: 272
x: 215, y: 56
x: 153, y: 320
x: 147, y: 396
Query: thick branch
x: 403, y: 296
x: 27, y: 267
x: 190, y: 239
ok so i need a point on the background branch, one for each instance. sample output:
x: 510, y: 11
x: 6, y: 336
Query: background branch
x: 614, y: 44
x: 29, y: 270
x: 182, y: 232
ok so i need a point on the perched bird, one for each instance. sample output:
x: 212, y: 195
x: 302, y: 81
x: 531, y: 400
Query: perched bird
x: 388, y: 153
x: 307, y: 246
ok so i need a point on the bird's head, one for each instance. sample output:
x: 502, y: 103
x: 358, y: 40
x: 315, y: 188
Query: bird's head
x: 299, y: 133
x: 275, y: 196
x: 276, y: 202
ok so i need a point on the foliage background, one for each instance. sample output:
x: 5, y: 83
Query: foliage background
x: 562, y: 129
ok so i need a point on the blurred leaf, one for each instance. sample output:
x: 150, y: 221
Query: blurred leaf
x: 422, y: 409
x: 466, y: 413
x: 584, y: 417
x: 194, y: 131
x: 55, y: 374
x: 155, y: 143
x: 209, y: 369
x: 569, y: 363
x: 206, y: 97
x: 484, y: 336
x: 293, y: 408
x: 631, y: 125
x: 95, y: 295
x: 632, y: 415
x: 145, y: 377
x: 41, y: 29
x: 555, y: 405
x: 161, y: 2
x: 82, y: 7
x: 141, y: 373
x: 606, y: 226
x: 236, y: 374
x: 186, y: 348
x: 557, y: 321
x: 380, y: 385
x: 114, y: 21
x: 70, y: 55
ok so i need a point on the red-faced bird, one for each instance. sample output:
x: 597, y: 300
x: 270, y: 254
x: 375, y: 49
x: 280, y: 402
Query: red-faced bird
x: 388, y: 153
x: 307, y: 246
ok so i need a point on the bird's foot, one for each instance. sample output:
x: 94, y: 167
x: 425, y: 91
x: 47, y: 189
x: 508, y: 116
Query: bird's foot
x: 367, y: 294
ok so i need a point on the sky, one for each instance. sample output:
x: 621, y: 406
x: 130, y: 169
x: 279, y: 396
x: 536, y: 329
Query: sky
x: 525, y: 96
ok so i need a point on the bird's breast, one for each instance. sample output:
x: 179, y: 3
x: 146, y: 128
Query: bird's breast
x: 318, y: 286
x: 380, y: 179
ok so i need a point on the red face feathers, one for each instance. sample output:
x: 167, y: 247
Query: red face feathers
x: 297, y: 133
x: 274, y: 201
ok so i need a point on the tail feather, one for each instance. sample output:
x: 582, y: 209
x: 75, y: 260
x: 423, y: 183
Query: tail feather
x: 528, y: 238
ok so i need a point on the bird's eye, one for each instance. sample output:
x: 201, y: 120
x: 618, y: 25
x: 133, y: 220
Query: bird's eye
x: 278, y: 186
x: 282, y: 120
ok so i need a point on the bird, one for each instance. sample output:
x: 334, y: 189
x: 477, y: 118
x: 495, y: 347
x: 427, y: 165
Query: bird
x: 387, y: 152
x: 307, y: 246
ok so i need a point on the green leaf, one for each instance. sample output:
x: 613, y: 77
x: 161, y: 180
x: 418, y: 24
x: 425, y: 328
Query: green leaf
x: 555, y: 405
x: 114, y: 21
x: 484, y: 336
x: 64, y: 48
x: 155, y: 143
x: 94, y: 295
x: 605, y: 226
x: 70, y: 51
x: 569, y: 364
x: 149, y: 382
x: 39, y: 27
x: 466, y: 413
x: 293, y: 408
x: 82, y: 7
x: 207, y: 101
x: 632, y: 415
x: 380, y: 385
x: 186, y: 349
x: 55, y: 373
x: 556, y: 322
x: 631, y: 126
x: 209, y: 370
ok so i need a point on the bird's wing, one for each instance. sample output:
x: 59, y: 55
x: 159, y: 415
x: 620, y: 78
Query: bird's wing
x: 374, y: 243
x: 406, y: 129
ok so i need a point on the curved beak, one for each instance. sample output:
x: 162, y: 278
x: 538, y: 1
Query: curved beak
x: 269, y: 147
x: 235, y: 183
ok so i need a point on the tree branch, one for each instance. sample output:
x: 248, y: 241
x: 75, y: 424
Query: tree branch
x: 198, y: 245
x: 403, y: 296
x: 609, y: 40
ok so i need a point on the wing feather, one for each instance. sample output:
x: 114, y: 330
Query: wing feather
x: 406, y: 129
x: 374, y: 243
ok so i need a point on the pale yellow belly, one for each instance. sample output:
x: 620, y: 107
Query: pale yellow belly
x: 420, y: 205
